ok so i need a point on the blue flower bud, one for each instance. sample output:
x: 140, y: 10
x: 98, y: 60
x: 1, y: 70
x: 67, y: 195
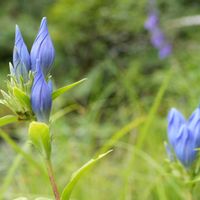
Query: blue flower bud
x: 184, y: 136
x: 194, y: 126
x: 21, y: 58
x: 41, y: 99
x: 175, y: 121
x: 185, y: 146
x: 43, y: 49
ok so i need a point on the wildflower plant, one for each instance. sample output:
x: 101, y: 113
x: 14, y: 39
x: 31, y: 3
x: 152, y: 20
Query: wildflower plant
x: 30, y: 97
x: 183, y: 145
x: 157, y: 36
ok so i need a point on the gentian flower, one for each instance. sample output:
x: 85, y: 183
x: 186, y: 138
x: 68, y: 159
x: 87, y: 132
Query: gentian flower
x: 194, y: 124
x: 41, y: 99
x: 42, y: 49
x: 21, y: 58
x: 175, y: 121
x: 184, y: 136
x: 185, y: 146
x: 158, y: 39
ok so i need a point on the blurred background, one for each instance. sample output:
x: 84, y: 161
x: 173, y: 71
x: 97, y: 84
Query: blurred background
x: 105, y: 42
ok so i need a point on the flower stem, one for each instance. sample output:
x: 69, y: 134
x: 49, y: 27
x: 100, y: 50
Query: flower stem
x: 52, y: 179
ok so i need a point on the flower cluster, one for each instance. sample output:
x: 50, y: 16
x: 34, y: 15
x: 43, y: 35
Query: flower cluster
x: 158, y: 39
x: 184, y: 135
x: 30, y: 87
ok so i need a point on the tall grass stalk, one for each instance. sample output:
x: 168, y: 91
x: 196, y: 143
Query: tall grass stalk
x: 144, y: 132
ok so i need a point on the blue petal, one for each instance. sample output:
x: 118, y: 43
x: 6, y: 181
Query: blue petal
x: 185, y: 147
x: 194, y: 126
x: 21, y: 58
x: 175, y: 121
x: 41, y: 99
x: 43, y: 49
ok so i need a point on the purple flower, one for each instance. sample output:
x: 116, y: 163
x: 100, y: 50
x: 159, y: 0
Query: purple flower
x: 157, y: 38
x: 152, y: 21
x: 41, y: 99
x: 184, y: 136
x: 165, y: 50
x: 21, y: 58
x: 43, y: 49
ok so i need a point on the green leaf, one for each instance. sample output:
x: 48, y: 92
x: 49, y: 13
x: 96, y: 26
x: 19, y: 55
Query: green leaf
x: 2, y: 101
x: 78, y: 174
x: 5, y: 95
x: 22, y: 97
x: 7, y: 120
x: 39, y: 135
x: 64, y: 89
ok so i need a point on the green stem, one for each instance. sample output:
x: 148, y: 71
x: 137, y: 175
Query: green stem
x: 52, y: 179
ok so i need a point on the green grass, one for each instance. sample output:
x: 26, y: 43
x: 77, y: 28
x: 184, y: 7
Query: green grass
x: 136, y: 169
x: 122, y: 106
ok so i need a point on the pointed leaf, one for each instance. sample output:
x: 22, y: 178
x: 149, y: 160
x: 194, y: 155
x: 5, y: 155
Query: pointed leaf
x: 7, y: 120
x: 3, y: 102
x: 22, y: 97
x: 5, y: 95
x: 64, y: 89
x: 78, y: 174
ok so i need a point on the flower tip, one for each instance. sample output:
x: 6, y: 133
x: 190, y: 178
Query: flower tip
x: 17, y: 32
x: 16, y: 27
x: 44, y: 19
x: 171, y: 113
x: 43, y: 23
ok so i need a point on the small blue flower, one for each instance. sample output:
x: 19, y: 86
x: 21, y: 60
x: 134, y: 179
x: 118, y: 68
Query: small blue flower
x: 43, y: 49
x: 194, y: 124
x: 41, y: 99
x: 21, y: 58
x: 184, y: 136
x: 175, y: 121
x: 185, y: 146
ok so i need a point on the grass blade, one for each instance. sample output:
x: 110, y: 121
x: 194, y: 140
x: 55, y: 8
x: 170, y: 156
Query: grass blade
x: 121, y: 133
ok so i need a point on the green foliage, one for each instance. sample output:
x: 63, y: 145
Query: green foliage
x: 7, y: 120
x: 78, y: 174
x: 64, y: 89
x: 105, y: 41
